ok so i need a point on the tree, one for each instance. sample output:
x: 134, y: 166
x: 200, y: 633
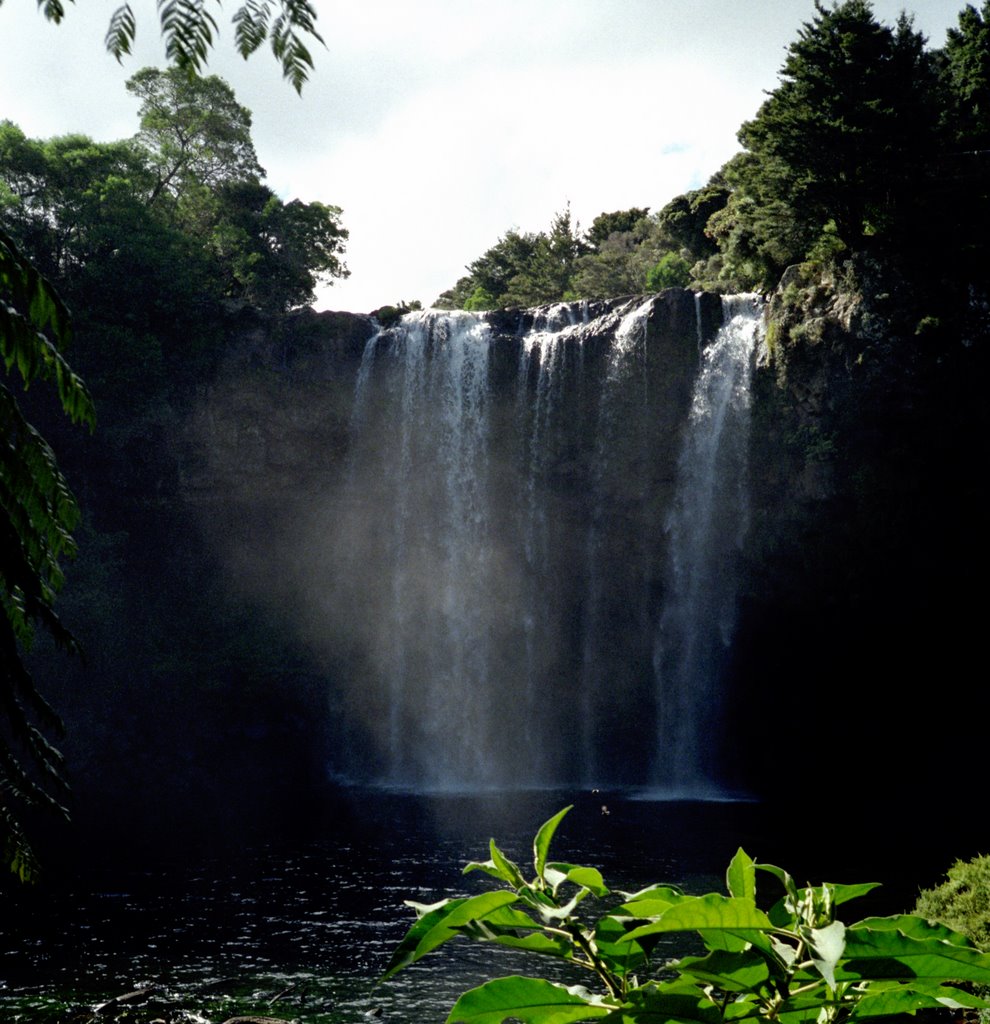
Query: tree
x: 275, y: 252
x: 615, y: 268
x: 196, y: 134
x: 966, y: 80
x: 196, y: 139
x: 619, y: 222
x: 547, y: 275
x: 37, y: 510
x: 845, y: 137
x: 682, y: 225
x: 967, y: 74
x: 671, y: 271
x: 492, y: 272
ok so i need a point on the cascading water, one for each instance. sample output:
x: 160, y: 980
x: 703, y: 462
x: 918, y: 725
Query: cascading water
x: 504, y: 561
x: 432, y: 486
x: 706, y: 524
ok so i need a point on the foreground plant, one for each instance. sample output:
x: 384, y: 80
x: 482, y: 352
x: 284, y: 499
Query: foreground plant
x: 795, y: 962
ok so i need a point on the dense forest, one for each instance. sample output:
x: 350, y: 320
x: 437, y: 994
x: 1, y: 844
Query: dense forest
x: 872, y: 143
x: 868, y: 162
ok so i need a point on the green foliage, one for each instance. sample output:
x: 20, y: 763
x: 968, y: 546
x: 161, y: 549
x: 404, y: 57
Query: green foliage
x: 480, y: 299
x: 179, y: 210
x: 547, y: 274
x: 389, y: 316
x: 683, y: 223
x: 272, y: 253
x: 521, y: 269
x: 967, y: 75
x: 846, y: 137
x: 193, y: 131
x: 672, y: 271
x: 607, y: 225
x: 189, y: 31
x: 72, y: 207
x: 795, y: 962
x: 37, y: 516
x: 962, y: 901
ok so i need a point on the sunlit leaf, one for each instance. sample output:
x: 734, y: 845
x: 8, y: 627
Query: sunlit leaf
x: 530, y: 1000
x: 741, y: 876
x: 441, y: 924
x: 541, y: 842
x: 873, y: 952
x: 591, y: 878
x: 826, y: 947
x: 712, y: 912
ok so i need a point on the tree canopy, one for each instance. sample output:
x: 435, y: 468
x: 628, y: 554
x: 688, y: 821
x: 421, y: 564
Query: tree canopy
x: 150, y: 239
x: 870, y: 142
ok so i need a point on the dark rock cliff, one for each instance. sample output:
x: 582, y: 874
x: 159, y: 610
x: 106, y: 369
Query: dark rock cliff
x: 861, y: 633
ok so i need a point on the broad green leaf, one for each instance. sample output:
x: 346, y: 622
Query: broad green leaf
x: 886, y: 953
x: 530, y: 1000
x: 827, y: 946
x: 591, y: 878
x: 507, y: 869
x: 729, y: 971
x: 908, y: 999
x: 844, y: 893
x: 508, y: 926
x: 672, y: 1001
x: 712, y: 912
x: 622, y: 957
x: 780, y: 914
x: 541, y: 842
x: 651, y: 903
x: 736, y: 940
x: 555, y: 913
x: 512, y: 917
x: 427, y: 918
x: 535, y: 942
x: 441, y: 924
x: 741, y: 876
x: 916, y: 928
x: 488, y: 866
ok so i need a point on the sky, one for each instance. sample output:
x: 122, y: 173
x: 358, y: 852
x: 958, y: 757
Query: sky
x: 438, y: 125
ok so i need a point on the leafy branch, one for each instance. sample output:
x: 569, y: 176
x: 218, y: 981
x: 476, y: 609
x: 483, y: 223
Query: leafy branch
x: 189, y: 29
x: 793, y: 963
x: 37, y: 516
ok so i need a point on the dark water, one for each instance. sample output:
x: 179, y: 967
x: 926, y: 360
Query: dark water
x: 311, y: 918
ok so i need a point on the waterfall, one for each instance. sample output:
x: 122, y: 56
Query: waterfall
x: 624, y: 389
x: 516, y: 574
x: 706, y: 526
x: 427, y: 463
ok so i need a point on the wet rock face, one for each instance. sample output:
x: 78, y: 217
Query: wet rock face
x: 867, y: 412
x: 273, y: 425
x: 584, y: 406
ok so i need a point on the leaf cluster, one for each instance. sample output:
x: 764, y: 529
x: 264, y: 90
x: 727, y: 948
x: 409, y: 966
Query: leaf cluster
x: 795, y: 962
x: 37, y: 516
x: 190, y: 29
